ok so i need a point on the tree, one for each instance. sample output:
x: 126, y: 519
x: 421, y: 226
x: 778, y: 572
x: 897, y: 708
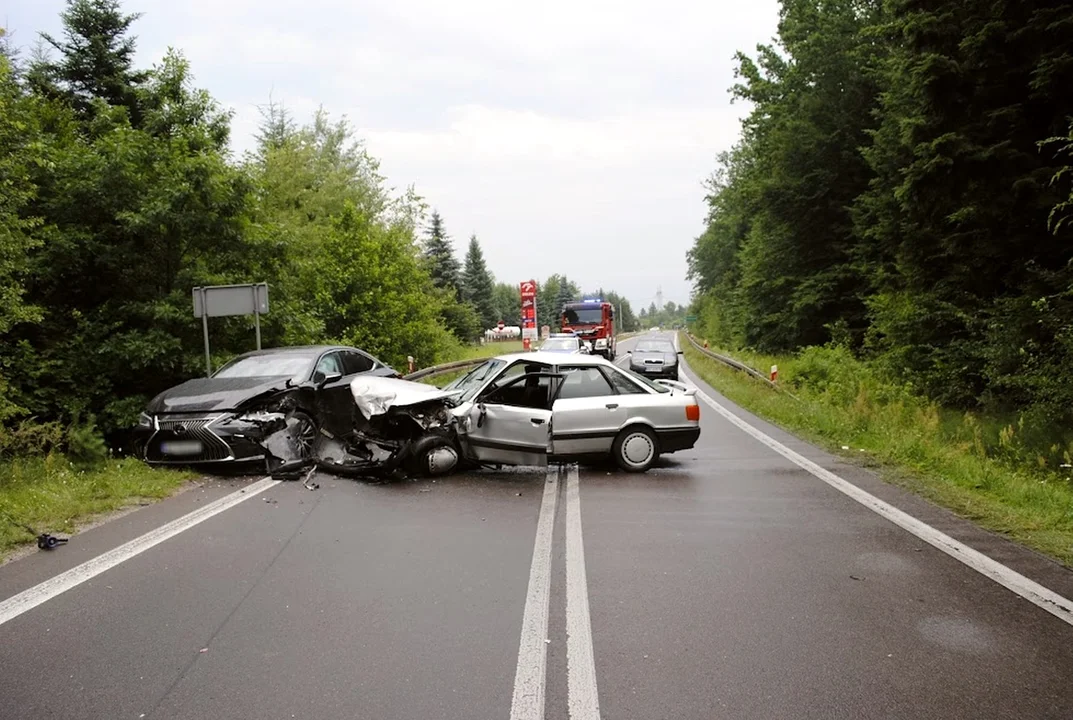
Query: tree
x: 443, y: 266
x: 956, y: 221
x: 20, y: 138
x: 96, y: 59
x: 478, y: 286
x: 507, y: 303
x: 373, y: 293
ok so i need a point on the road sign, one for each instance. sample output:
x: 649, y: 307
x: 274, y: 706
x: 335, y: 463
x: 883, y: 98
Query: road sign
x: 691, y: 318
x: 227, y: 300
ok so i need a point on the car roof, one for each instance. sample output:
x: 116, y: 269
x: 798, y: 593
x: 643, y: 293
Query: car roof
x: 553, y: 358
x: 295, y: 350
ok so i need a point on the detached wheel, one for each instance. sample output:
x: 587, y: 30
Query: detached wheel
x: 432, y: 455
x: 635, y: 449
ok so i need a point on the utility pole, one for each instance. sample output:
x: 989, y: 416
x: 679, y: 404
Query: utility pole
x: 659, y: 297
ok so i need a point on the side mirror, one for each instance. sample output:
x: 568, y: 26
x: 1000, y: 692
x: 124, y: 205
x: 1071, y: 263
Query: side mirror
x: 681, y: 353
x: 322, y: 379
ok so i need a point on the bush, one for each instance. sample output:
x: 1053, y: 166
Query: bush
x: 86, y: 448
x: 30, y: 437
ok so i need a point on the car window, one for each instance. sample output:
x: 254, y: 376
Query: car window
x: 331, y: 363
x: 471, y: 382
x: 579, y: 382
x: 356, y: 362
x: 529, y: 390
x: 624, y: 385
x: 647, y: 383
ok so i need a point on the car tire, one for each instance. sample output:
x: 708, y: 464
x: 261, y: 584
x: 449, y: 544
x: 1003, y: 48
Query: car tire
x: 432, y: 455
x: 635, y: 449
x: 307, y: 430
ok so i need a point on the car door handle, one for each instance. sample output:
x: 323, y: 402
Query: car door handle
x: 537, y: 421
x: 611, y: 406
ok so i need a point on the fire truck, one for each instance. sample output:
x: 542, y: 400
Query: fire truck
x: 594, y: 322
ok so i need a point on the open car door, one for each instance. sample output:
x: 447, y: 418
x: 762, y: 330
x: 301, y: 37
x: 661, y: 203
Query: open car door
x: 511, y: 424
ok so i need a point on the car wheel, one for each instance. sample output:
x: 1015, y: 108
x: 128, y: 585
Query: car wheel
x: 433, y: 454
x: 305, y: 428
x: 635, y: 449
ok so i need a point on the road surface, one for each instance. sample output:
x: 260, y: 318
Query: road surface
x: 726, y: 583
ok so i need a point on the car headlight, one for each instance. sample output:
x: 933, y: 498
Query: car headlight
x: 145, y: 420
x: 258, y: 417
x: 601, y: 342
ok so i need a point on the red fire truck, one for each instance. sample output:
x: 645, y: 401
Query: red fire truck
x: 593, y: 321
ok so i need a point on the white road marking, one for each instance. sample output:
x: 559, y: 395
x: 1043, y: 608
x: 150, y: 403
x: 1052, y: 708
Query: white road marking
x: 582, y: 697
x: 530, y: 677
x: 43, y: 592
x: 1052, y: 602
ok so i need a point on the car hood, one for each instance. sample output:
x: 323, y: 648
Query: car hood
x: 376, y: 395
x: 212, y: 394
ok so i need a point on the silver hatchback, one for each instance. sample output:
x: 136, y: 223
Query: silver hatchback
x: 535, y: 408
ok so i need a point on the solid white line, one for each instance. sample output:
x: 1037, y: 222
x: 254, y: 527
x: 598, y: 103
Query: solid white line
x: 530, y: 677
x: 32, y: 597
x: 1052, y: 602
x: 582, y: 698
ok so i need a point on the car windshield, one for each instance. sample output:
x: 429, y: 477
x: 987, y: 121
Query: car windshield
x: 559, y: 344
x: 472, y: 381
x: 583, y: 316
x: 654, y: 346
x: 278, y: 365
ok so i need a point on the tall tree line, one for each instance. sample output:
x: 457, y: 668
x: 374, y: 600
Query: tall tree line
x: 901, y: 186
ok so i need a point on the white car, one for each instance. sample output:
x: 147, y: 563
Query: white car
x: 535, y: 408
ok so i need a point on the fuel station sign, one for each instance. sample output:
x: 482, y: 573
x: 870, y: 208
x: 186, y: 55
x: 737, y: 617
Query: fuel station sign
x: 529, y: 316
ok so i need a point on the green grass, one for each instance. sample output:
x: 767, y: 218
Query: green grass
x: 988, y: 469
x: 49, y: 495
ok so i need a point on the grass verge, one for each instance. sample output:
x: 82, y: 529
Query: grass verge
x: 979, y: 467
x: 49, y: 495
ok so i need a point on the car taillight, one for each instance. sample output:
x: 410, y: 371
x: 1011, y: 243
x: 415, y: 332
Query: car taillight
x: 693, y: 412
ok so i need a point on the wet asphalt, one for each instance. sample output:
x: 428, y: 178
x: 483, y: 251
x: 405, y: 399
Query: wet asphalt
x: 725, y: 583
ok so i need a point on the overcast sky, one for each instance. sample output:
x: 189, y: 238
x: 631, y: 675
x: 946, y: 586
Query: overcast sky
x: 570, y: 137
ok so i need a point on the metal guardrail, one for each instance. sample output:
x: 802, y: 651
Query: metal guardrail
x: 737, y: 366
x: 444, y: 368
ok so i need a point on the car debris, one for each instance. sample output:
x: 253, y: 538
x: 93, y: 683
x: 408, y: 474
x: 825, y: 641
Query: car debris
x: 45, y: 541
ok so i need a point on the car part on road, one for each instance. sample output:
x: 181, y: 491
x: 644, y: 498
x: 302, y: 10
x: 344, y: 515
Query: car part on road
x: 45, y: 541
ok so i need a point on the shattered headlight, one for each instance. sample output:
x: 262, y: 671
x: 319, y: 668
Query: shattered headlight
x: 260, y: 416
x: 145, y: 420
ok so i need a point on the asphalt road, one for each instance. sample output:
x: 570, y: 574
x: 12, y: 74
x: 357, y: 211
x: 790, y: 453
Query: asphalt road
x: 726, y: 583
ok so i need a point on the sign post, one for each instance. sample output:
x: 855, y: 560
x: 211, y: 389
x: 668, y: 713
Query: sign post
x: 225, y: 300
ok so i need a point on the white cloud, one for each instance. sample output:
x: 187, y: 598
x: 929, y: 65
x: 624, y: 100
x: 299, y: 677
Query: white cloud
x: 572, y: 136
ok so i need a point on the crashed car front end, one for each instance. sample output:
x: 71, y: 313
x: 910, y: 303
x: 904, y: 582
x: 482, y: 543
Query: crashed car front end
x: 210, y: 437
x: 398, y: 429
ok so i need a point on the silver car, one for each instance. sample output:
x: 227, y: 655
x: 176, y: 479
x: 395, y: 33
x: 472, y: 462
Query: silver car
x: 535, y: 408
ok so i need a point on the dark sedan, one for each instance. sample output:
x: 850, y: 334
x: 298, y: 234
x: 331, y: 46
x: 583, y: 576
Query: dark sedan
x: 219, y: 419
x: 655, y: 358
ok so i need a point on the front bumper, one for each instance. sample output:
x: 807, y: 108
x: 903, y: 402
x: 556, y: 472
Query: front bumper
x: 660, y: 372
x: 196, y: 439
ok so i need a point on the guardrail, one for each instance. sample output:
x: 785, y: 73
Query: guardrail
x: 731, y: 362
x: 444, y: 368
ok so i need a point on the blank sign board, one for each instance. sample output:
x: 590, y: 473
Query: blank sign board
x: 223, y: 300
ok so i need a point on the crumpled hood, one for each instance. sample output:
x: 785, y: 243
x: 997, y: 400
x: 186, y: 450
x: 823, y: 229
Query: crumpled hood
x: 376, y: 395
x: 212, y: 394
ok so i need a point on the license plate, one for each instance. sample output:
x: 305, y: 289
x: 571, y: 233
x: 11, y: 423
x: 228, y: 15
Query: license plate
x: 653, y: 368
x: 181, y: 447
